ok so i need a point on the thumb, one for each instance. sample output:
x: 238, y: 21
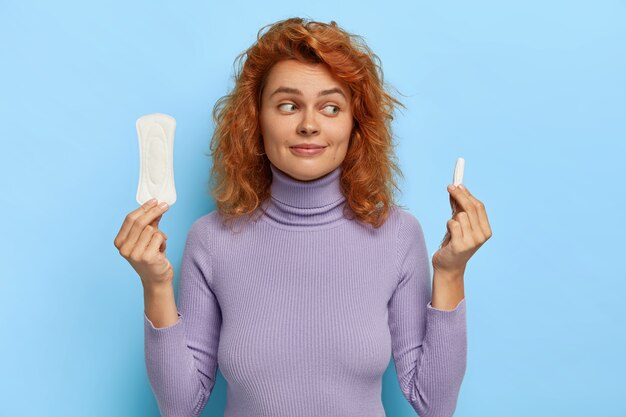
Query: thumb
x: 453, y: 205
x: 155, y: 222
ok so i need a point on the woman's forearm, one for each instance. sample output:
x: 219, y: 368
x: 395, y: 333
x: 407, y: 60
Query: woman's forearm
x: 160, y: 305
x: 448, y: 290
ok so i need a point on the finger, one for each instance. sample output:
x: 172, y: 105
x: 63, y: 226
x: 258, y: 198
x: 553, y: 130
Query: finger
x: 140, y: 246
x: 155, y: 224
x: 156, y: 221
x: 162, y: 247
x: 463, y: 219
x: 453, y: 205
x: 483, y: 220
x: 466, y: 205
x: 456, y: 233
x: 142, y: 221
x: 130, y: 219
x: 153, y: 247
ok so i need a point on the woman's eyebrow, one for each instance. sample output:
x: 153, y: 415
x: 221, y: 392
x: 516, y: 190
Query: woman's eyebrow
x: 296, y: 91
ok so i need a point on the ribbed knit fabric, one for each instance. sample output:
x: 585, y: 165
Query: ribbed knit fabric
x: 302, y: 311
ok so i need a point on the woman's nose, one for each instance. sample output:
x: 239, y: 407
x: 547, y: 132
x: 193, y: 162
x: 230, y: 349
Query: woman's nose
x: 308, y: 125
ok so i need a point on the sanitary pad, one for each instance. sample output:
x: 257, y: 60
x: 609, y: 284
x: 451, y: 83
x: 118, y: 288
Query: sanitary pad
x: 458, y: 171
x: 156, y: 158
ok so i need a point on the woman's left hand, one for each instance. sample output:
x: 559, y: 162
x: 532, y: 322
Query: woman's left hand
x: 468, y: 229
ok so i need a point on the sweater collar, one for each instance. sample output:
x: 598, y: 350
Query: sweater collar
x: 318, y: 203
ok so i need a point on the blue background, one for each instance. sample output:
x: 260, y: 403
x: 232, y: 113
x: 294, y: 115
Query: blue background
x: 531, y: 94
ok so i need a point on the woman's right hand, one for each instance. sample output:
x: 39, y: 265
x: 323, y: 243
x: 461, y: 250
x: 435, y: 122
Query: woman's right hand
x: 142, y: 244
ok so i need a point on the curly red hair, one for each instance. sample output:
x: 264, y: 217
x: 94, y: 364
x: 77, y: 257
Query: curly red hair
x: 241, y: 176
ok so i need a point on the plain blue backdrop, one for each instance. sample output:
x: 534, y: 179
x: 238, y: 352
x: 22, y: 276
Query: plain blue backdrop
x: 532, y: 94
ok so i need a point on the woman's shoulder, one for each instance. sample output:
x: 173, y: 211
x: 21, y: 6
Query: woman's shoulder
x: 213, y: 224
x: 403, y: 219
x: 399, y: 229
x: 210, y: 223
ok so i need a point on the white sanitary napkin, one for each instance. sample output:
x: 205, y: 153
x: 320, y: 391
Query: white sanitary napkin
x: 458, y: 171
x: 156, y: 158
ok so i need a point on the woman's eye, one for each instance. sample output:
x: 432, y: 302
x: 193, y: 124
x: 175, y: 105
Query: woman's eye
x: 285, y: 107
x: 335, y: 107
x: 286, y: 104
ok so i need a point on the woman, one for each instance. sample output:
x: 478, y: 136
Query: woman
x: 308, y: 277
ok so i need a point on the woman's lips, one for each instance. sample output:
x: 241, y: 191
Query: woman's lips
x: 306, y: 151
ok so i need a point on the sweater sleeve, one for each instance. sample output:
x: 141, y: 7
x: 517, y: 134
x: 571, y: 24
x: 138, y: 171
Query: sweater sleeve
x: 181, y: 359
x: 429, y: 345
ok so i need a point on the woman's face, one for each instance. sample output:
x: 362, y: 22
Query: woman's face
x: 302, y: 104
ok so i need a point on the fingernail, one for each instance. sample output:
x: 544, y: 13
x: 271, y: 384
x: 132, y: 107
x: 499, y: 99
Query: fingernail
x: 461, y: 186
x: 451, y: 187
x: 149, y: 202
x: 163, y: 205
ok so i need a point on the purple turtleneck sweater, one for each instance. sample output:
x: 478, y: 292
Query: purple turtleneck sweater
x: 302, y: 310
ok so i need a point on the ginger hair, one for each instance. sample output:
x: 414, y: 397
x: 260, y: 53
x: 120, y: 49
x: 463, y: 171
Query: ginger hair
x: 241, y: 176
